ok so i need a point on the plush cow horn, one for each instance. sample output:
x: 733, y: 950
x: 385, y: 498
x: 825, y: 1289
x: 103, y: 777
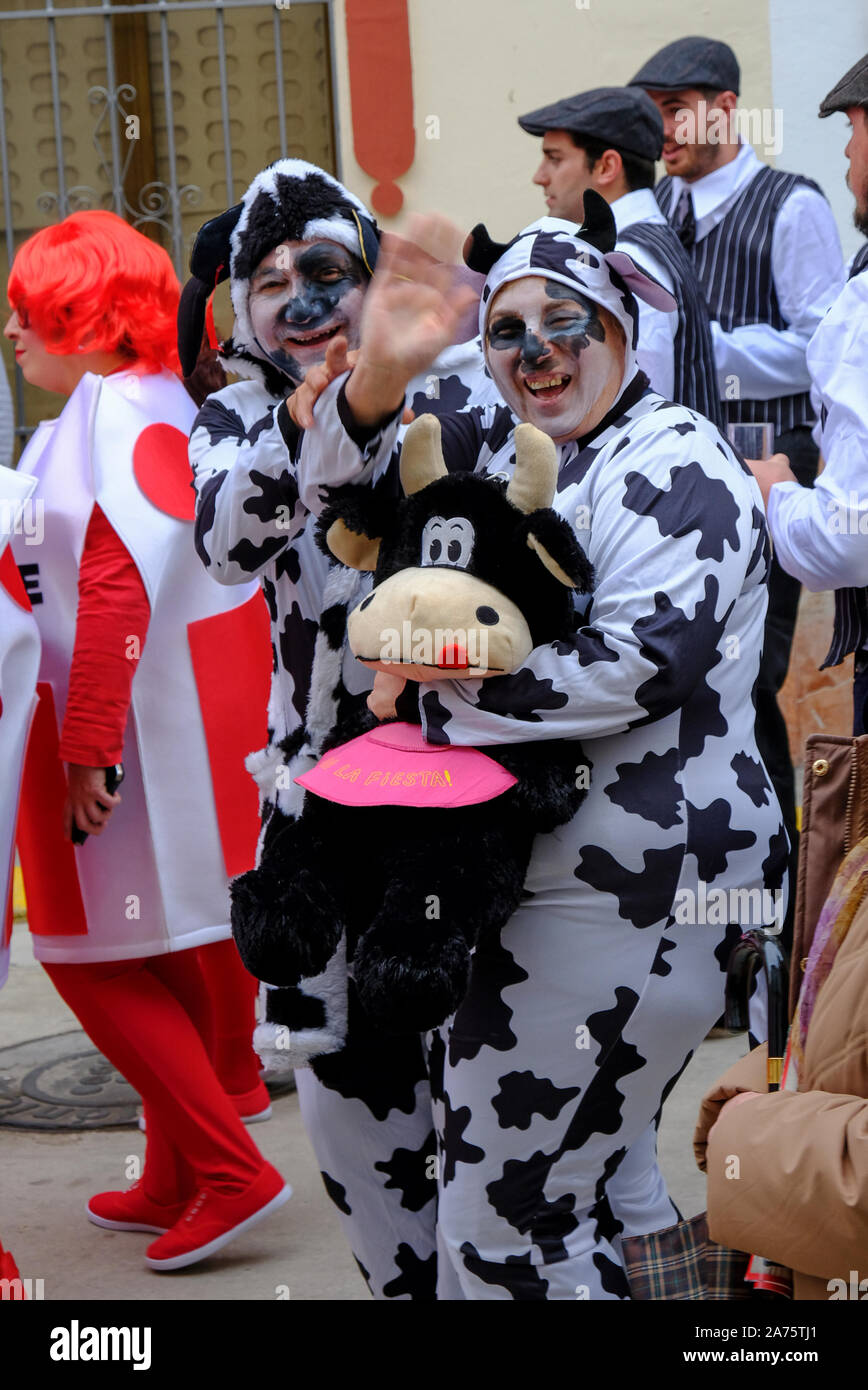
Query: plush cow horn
x: 421, y: 454
x: 536, y: 469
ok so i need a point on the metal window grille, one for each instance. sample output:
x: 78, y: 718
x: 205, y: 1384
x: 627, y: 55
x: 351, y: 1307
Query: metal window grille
x: 259, y: 95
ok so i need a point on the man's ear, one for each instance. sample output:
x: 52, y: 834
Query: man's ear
x: 553, y: 540
x: 352, y: 548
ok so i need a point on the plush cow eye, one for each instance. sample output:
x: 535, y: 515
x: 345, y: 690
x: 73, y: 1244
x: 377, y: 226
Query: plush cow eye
x: 447, y: 541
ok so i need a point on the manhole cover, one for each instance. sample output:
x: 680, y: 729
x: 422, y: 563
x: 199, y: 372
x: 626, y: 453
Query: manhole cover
x: 63, y: 1082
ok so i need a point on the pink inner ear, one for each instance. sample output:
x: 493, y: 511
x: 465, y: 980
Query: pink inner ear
x: 641, y: 285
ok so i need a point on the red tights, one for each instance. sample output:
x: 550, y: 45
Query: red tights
x: 154, y: 1021
x: 233, y: 997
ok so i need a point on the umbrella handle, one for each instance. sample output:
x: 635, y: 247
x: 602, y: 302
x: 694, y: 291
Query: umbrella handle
x: 753, y: 951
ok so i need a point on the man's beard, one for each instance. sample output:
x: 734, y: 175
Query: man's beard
x: 860, y: 218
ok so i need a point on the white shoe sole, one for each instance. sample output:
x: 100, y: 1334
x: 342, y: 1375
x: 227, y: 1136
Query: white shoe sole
x: 124, y: 1225
x: 245, y: 1119
x: 191, y: 1257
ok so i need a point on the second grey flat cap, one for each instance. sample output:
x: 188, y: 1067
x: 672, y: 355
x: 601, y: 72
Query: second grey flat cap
x: 691, y: 62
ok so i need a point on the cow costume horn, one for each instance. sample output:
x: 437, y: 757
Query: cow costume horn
x: 291, y: 200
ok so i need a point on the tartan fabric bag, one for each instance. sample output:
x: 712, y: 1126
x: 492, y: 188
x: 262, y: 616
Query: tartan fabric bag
x: 682, y: 1263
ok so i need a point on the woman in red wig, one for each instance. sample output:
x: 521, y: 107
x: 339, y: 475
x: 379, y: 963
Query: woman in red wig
x: 138, y: 646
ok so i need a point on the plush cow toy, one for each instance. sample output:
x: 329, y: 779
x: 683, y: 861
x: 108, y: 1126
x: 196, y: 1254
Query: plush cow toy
x: 410, y: 848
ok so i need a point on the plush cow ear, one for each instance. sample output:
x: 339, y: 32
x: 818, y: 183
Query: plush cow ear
x: 358, y: 551
x: 552, y: 539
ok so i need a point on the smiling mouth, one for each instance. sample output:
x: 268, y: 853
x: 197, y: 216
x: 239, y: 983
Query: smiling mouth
x: 547, y: 388
x: 315, y: 339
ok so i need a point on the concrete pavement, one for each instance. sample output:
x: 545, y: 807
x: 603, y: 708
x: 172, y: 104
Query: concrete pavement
x: 298, y: 1253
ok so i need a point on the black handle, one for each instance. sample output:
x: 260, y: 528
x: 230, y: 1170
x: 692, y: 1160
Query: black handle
x: 114, y: 775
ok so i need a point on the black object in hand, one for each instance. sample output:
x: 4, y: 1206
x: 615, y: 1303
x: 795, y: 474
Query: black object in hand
x: 113, y: 777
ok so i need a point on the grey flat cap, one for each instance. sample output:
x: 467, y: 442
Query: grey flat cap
x: 626, y: 119
x: 852, y: 90
x: 690, y: 62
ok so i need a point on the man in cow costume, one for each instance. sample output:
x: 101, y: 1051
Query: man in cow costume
x: 503, y: 1154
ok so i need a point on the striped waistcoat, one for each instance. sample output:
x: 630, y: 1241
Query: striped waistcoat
x: 695, y: 379
x: 734, y: 267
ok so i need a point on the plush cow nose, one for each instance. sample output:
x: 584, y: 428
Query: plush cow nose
x: 452, y: 657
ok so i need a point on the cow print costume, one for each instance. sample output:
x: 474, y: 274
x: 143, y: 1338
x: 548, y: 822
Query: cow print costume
x: 503, y: 1155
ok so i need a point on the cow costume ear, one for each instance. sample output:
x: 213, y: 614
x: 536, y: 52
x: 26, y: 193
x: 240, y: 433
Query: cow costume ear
x: 552, y: 539
x: 598, y: 228
x: 209, y: 267
x: 353, y: 522
x: 480, y: 252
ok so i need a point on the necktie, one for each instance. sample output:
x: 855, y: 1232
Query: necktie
x: 685, y: 219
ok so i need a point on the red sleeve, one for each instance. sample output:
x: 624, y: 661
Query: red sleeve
x: 113, y: 616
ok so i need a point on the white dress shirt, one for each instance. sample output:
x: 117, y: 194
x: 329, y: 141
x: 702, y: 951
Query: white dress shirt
x: 655, y: 352
x: 808, y: 273
x: 820, y: 533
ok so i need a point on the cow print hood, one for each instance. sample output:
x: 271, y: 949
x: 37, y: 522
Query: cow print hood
x: 583, y: 258
x: 290, y: 200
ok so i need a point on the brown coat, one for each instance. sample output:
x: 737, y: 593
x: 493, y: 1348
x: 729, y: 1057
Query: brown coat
x: 801, y: 1194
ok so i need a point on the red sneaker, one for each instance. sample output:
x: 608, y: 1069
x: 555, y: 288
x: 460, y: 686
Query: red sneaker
x: 133, y: 1210
x: 254, y: 1105
x: 212, y: 1220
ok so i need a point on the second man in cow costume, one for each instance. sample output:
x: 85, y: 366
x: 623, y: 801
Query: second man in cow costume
x: 503, y: 1154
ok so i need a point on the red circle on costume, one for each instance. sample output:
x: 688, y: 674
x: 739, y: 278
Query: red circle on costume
x: 387, y: 199
x: 162, y: 470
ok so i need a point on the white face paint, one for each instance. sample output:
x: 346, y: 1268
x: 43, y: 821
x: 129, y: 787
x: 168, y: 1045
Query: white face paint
x: 556, y: 358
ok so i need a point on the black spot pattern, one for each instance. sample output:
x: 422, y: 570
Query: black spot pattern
x: 418, y: 1277
x: 523, y: 1095
x: 206, y: 512
x: 650, y: 788
x: 518, y: 1274
x: 452, y: 395
x: 274, y: 493
x: 437, y: 716
x: 454, y: 1148
x: 410, y: 1172
x: 751, y: 778
x: 693, y: 502
x: 711, y: 838
x: 644, y: 897
x: 337, y: 1192
x: 661, y: 965
x: 483, y: 1019
x: 520, y: 695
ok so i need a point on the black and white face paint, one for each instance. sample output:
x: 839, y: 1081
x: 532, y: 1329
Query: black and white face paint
x: 552, y: 353
x: 302, y: 294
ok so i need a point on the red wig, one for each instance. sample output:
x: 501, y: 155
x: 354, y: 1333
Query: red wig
x: 93, y: 281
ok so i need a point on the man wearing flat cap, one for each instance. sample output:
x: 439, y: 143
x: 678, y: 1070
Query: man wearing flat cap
x: 821, y: 533
x: 766, y: 250
x: 608, y: 139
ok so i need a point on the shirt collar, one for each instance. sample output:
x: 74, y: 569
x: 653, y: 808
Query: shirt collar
x: 638, y: 206
x: 720, y: 186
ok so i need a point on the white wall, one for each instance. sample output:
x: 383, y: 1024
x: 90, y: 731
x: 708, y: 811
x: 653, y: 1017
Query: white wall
x: 812, y: 46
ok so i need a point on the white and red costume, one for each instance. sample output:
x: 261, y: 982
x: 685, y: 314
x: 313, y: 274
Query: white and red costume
x: 147, y: 662
x: 19, y: 665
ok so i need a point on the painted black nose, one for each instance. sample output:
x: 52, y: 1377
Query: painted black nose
x: 487, y: 615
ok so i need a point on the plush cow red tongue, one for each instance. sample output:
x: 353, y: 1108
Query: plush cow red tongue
x: 453, y: 657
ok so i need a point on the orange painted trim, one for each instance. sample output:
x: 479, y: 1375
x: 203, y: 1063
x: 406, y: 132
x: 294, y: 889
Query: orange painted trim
x: 381, y: 95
